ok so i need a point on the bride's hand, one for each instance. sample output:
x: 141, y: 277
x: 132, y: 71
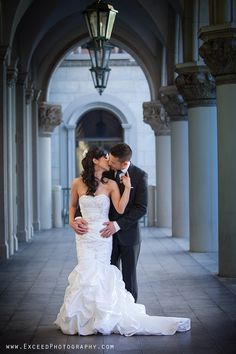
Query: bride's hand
x: 125, y: 179
x: 79, y: 225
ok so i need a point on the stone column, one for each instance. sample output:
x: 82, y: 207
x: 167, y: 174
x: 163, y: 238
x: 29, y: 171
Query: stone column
x: 197, y: 86
x: 29, y: 97
x: 11, y: 157
x: 35, y: 160
x: 176, y: 109
x: 155, y: 116
x: 4, y: 241
x: 71, y: 153
x: 219, y: 53
x: 23, y: 229
x: 49, y: 117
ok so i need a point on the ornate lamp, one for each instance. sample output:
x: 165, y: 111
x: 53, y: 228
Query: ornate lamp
x: 100, y: 78
x: 100, y: 18
x: 99, y: 55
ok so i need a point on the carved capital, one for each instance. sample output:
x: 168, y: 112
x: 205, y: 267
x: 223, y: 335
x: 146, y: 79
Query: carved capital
x: 219, y: 52
x: 11, y: 76
x: 173, y: 103
x: 29, y: 94
x: 155, y: 115
x: 197, y: 85
x: 50, y: 116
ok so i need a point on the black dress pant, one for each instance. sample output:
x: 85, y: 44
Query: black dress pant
x: 127, y: 257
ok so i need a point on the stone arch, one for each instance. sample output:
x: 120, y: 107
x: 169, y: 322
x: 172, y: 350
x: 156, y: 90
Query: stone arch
x: 73, y: 113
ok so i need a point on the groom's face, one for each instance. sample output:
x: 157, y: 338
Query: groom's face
x: 115, y: 164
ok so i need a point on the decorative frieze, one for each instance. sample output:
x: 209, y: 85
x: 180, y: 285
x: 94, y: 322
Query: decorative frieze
x: 173, y: 102
x: 50, y: 116
x: 155, y: 115
x: 219, y: 52
x: 196, y: 84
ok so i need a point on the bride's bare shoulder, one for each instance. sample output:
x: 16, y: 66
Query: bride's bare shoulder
x: 111, y: 183
x: 77, y: 182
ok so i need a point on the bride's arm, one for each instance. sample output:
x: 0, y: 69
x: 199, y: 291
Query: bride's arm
x: 74, y: 197
x: 120, y: 202
x: 79, y: 225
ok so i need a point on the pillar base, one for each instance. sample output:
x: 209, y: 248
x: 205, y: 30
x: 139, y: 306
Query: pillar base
x: 22, y: 235
x: 4, y: 251
x: 36, y: 226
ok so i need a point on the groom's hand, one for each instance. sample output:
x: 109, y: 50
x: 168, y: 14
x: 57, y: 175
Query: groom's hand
x: 108, y: 230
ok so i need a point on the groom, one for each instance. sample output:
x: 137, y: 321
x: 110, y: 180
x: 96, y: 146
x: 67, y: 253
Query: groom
x: 125, y: 227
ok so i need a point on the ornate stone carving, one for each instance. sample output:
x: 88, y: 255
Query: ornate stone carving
x: 11, y: 76
x: 29, y: 94
x: 155, y: 115
x: 50, y: 116
x: 173, y: 103
x: 219, y: 52
x: 197, y: 86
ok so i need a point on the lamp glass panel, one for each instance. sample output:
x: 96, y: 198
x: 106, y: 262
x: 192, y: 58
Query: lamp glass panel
x: 93, y: 19
x: 110, y: 23
x: 103, y: 20
x: 99, y: 53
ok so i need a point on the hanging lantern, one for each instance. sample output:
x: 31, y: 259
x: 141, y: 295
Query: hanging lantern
x: 100, y: 18
x: 100, y: 78
x: 99, y: 55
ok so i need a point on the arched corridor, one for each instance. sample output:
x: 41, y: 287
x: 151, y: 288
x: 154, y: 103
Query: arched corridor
x: 172, y: 282
x: 173, y: 98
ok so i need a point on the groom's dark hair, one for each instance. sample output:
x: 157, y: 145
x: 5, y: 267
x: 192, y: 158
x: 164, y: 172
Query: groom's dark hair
x: 122, y: 151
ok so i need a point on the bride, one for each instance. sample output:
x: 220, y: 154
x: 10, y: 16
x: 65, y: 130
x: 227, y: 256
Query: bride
x: 96, y: 300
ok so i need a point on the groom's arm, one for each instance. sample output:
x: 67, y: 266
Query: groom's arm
x: 139, y: 207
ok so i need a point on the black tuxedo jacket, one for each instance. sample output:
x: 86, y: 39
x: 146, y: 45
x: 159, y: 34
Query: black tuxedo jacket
x: 129, y: 233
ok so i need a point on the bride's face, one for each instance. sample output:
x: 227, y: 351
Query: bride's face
x: 102, y: 163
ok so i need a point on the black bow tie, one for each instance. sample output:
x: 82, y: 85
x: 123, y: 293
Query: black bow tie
x: 117, y: 177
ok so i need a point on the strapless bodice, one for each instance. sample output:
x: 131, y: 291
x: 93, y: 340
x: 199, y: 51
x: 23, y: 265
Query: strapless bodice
x: 94, y: 208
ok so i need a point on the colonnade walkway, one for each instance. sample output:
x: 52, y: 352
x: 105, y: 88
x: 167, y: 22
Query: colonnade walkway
x: 172, y: 282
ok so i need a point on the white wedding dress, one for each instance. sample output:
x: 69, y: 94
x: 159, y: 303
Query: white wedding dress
x: 96, y: 299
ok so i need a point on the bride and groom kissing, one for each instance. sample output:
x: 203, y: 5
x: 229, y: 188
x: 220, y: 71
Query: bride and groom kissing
x: 112, y: 196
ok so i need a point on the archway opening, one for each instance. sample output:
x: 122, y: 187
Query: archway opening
x: 98, y: 127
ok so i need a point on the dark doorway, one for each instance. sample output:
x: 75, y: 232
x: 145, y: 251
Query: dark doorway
x: 97, y: 127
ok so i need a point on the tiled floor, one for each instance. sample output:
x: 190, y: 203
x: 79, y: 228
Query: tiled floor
x: 172, y: 282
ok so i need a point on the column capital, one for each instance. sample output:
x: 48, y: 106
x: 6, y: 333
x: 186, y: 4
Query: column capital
x: 50, y: 116
x: 196, y: 84
x: 173, y: 103
x: 29, y: 94
x: 155, y: 115
x: 11, y: 76
x: 219, y: 51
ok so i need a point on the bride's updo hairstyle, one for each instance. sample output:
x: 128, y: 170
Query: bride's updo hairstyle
x: 88, y: 174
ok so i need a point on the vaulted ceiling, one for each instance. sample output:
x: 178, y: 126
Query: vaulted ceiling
x: 40, y: 32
